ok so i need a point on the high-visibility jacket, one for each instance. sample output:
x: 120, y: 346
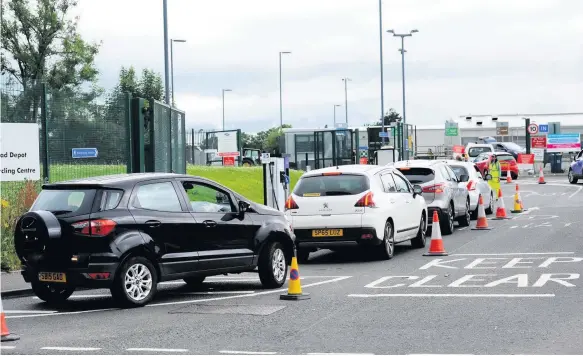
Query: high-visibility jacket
x: 495, y: 171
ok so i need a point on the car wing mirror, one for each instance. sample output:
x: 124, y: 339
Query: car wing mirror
x: 488, y: 177
x: 417, y: 190
x: 464, y: 178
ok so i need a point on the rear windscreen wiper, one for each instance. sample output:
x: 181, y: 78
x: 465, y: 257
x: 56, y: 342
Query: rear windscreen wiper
x: 337, y: 192
x: 58, y: 212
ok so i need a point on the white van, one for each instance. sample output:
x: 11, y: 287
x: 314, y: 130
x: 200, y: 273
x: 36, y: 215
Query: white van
x: 473, y: 150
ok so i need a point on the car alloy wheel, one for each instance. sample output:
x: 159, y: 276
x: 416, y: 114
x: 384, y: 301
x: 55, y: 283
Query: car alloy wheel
x: 278, y: 265
x: 138, y: 282
x: 389, y: 239
x: 451, y: 217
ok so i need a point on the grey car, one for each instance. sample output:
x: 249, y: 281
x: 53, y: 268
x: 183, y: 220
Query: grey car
x: 441, y: 190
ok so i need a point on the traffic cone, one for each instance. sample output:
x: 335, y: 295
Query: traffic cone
x: 294, y: 290
x: 541, y: 177
x: 6, y: 335
x: 508, y: 177
x: 436, y: 246
x: 482, y: 222
x: 518, y: 207
x: 501, y: 209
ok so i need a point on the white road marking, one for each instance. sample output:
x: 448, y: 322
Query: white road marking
x: 567, y: 224
x: 336, y: 353
x: 148, y: 349
x: 561, y: 185
x: 217, y: 292
x: 84, y: 296
x: 64, y: 348
x: 247, y: 352
x: 29, y: 311
x: 453, y: 295
x: 336, y: 279
x: 2, y: 347
x: 512, y: 253
x: 459, y: 229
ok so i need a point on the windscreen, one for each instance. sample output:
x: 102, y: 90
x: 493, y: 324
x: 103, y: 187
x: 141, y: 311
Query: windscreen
x: 65, y: 201
x: 343, y: 184
x: 505, y: 157
x: 418, y: 175
x: 475, y: 151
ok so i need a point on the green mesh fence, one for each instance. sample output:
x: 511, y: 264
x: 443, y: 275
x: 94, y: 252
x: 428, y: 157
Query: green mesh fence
x: 161, y: 130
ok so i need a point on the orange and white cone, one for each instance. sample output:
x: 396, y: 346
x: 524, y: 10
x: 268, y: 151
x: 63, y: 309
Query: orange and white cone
x: 436, y: 245
x: 541, y: 177
x: 482, y: 222
x: 6, y: 335
x: 508, y: 177
x: 501, y: 209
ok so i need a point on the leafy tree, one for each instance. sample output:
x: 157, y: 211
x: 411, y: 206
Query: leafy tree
x: 151, y: 86
x: 265, y: 140
x: 390, y: 117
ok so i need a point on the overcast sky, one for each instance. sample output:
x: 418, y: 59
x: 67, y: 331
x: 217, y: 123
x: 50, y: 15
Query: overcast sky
x: 470, y: 56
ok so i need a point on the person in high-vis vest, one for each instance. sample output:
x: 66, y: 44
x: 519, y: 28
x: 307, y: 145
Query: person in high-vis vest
x: 495, y: 171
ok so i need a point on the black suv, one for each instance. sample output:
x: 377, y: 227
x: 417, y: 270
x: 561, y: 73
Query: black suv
x: 128, y: 232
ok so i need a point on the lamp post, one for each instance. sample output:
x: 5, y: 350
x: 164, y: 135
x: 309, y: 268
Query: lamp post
x: 166, y: 74
x: 346, y: 80
x: 224, y: 90
x: 335, y: 106
x: 280, y: 90
x: 382, y: 79
x: 172, y: 65
x: 402, y: 50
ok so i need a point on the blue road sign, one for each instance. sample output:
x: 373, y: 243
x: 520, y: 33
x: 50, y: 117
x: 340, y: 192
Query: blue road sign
x: 543, y: 128
x: 363, y: 147
x: 84, y: 152
x: 383, y: 134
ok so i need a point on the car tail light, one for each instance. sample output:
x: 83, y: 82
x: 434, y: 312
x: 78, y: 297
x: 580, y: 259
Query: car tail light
x: 471, y: 185
x: 100, y: 227
x: 366, y: 201
x: 290, y: 204
x: 436, y: 188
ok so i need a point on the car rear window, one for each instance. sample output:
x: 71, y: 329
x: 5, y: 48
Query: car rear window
x: 475, y: 151
x: 459, y: 171
x: 418, y: 175
x: 343, y: 184
x: 505, y: 157
x: 65, y: 201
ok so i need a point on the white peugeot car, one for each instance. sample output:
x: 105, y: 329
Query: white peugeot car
x: 471, y: 177
x: 361, y: 205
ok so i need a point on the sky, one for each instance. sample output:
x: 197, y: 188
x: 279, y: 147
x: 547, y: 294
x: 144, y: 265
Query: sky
x: 469, y: 57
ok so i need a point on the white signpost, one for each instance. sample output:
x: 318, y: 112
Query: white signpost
x: 19, y: 152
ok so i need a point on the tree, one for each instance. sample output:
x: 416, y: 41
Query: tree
x: 390, y: 117
x: 265, y: 140
x: 148, y: 86
x: 42, y: 44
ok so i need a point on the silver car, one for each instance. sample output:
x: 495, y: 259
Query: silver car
x: 470, y: 176
x: 441, y: 190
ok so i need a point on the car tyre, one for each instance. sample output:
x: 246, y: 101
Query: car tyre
x: 448, y: 219
x: 571, y: 177
x: 303, y: 255
x: 465, y: 219
x: 135, y: 283
x: 272, y: 265
x: 490, y: 208
x: 52, y: 293
x: 420, y: 240
x: 475, y: 211
x: 194, y: 282
x: 387, y: 247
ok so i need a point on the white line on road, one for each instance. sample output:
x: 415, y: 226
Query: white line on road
x: 216, y: 292
x: 567, y: 224
x: 29, y: 311
x: 512, y: 253
x: 85, y: 296
x: 148, y: 349
x: 60, y: 313
x: 336, y: 353
x: 247, y: 352
x: 63, y: 348
x: 454, y: 295
x: 2, y: 347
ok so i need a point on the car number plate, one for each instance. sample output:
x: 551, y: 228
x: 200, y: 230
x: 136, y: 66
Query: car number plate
x: 52, y: 277
x: 327, y: 233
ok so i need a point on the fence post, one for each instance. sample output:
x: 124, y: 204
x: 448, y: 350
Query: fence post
x: 192, y: 146
x: 129, y: 134
x: 45, y: 133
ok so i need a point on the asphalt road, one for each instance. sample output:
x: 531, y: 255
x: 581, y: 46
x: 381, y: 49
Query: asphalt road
x: 515, y: 289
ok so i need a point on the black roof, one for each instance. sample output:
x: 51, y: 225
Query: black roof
x: 118, y: 180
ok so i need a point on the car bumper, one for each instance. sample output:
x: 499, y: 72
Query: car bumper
x: 363, y: 236
x: 430, y: 210
x: 86, y: 271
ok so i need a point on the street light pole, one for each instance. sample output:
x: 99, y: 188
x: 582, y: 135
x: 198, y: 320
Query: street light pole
x: 224, y: 90
x: 382, y: 77
x: 172, y: 65
x: 166, y: 65
x: 346, y: 80
x: 402, y: 50
x: 280, y: 91
x: 335, y: 106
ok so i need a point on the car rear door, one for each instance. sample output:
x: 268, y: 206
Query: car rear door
x: 411, y: 217
x: 396, y: 201
x: 161, y: 214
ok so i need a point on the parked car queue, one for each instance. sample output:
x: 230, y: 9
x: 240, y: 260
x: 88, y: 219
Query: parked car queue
x: 376, y: 207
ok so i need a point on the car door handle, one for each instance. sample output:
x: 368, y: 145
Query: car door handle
x: 209, y: 223
x: 153, y: 223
